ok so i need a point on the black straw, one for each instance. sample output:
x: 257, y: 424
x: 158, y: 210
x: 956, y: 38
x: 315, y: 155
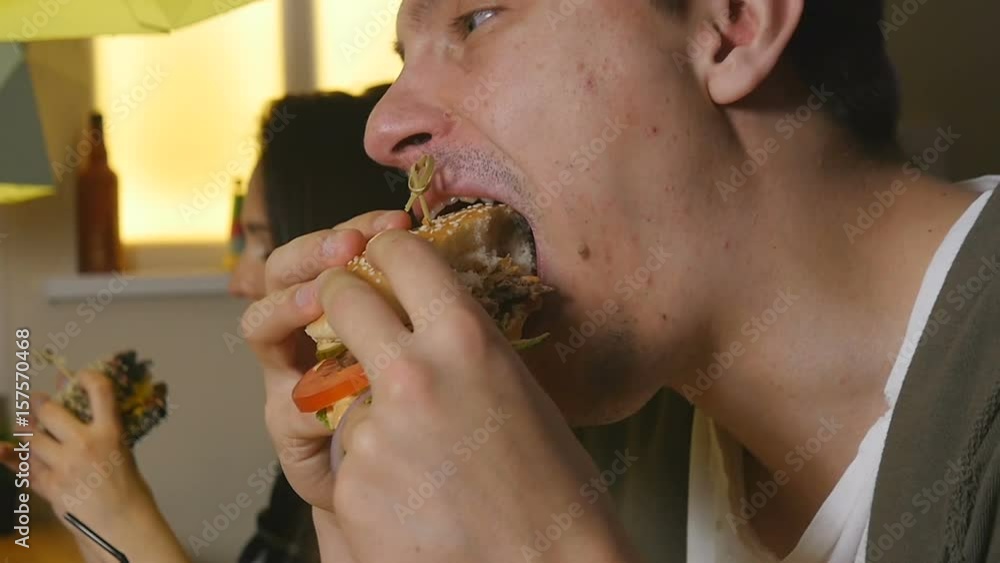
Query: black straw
x: 97, y: 539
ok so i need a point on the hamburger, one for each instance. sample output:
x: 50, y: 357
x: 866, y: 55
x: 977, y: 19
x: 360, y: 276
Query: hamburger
x: 491, y: 249
x: 142, y: 402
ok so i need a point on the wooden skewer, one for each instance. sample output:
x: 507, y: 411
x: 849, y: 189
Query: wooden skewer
x: 419, y: 182
x: 60, y: 364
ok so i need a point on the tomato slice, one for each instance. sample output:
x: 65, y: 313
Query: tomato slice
x: 326, y: 383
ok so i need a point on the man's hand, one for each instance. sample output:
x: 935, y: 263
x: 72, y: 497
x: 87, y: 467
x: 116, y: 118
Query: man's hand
x: 461, y: 457
x: 271, y: 326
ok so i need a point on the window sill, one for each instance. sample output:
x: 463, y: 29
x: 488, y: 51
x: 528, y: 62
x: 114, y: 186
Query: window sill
x: 152, y: 271
x: 137, y: 285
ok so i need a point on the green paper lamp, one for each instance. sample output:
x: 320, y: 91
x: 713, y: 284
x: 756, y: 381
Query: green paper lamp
x: 31, y: 20
x: 25, y: 172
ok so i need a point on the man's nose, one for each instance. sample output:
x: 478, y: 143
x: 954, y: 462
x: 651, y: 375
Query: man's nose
x: 405, y: 124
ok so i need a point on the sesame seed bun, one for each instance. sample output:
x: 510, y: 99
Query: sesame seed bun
x: 472, y: 241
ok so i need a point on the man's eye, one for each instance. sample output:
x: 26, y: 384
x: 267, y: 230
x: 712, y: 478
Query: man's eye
x: 470, y: 22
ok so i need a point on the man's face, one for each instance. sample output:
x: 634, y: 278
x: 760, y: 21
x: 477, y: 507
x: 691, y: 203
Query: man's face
x: 575, y: 114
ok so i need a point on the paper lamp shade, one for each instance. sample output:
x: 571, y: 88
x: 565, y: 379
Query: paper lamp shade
x: 25, y: 171
x: 31, y: 20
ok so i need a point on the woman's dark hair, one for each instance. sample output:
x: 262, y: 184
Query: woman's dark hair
x: 316, y: 174
x: 314, y: 166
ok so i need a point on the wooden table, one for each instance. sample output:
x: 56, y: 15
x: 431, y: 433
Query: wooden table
x: 50, y: 542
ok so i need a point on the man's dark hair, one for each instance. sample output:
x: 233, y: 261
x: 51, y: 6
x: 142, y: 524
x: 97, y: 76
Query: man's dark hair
x: 314, y: 166
x: 839, y: 45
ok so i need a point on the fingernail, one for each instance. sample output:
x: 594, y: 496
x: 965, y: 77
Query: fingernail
x: 372, y: 240
x: 331, y: 245
x: 305, y: 295
x: 383, y: 222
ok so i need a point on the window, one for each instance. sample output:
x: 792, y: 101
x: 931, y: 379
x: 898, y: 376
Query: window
x: 182, y: 110
x: 354, y: 44
x: 181, y: 115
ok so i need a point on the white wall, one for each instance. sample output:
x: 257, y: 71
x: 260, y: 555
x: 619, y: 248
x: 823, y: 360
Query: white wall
x: 216, y: 438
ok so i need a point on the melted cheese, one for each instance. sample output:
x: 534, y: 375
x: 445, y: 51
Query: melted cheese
x: 143, y: 394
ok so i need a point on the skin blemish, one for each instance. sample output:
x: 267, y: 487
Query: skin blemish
x: 584, y: 251
x: 653, y: 131
x: 726, y: 246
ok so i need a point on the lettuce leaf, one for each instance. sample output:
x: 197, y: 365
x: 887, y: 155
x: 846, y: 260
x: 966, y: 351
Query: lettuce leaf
x: 526, y: 343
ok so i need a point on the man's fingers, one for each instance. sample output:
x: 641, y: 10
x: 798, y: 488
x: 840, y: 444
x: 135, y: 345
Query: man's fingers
x: 269, y: 324
x: 374, y: 222
x: 309, y: 255
x: 360, y: 316
x: 349, y: 424
x: 281, y: 412
x: 431, y: 285
x: 101, y: 393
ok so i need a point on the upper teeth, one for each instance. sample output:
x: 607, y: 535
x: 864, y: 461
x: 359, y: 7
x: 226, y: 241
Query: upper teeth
x: 437, y: 209
x: 487, y: 201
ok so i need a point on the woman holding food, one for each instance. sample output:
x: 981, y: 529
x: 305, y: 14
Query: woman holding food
x: 311, y: 175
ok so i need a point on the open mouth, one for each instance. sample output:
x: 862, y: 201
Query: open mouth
x: 489, y: 246
x: 457, y: 204
x: 440, y: 205
x: 439, y: 190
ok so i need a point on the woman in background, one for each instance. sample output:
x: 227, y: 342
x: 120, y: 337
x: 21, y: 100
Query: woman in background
x: 312, y: 175
x: 308, y: 180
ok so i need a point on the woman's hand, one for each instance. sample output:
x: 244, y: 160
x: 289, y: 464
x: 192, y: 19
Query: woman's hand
x: 82, y: 468
x: 88, y: 470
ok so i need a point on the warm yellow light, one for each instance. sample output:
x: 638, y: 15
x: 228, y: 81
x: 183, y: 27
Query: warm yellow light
x: 19, y: 193
x: 182, y: 113
x: 354, y: 43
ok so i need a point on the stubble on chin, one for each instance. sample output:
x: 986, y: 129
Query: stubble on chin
x: 607, y: 386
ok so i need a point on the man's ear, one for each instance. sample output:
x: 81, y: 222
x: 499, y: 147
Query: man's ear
x: 750, y: 36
